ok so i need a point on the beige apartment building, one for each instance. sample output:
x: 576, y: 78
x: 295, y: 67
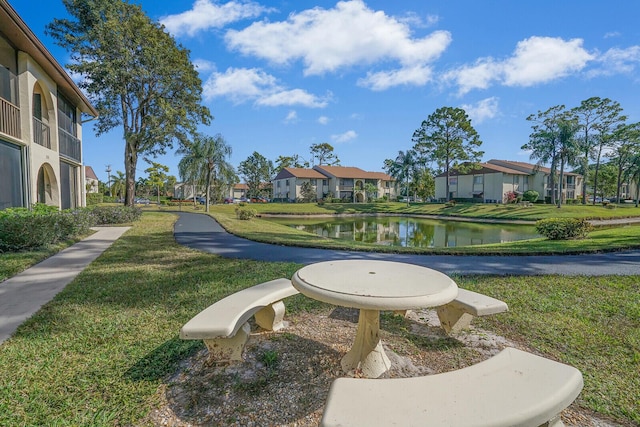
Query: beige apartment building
x: 41, y: 112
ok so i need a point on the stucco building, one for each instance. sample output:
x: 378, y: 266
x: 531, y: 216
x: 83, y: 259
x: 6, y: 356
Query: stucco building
x: 41, y: 112
x: 340, y: 182
x: 494, y: 179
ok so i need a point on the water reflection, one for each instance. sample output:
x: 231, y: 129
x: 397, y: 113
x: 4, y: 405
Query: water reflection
x: 411, y: 231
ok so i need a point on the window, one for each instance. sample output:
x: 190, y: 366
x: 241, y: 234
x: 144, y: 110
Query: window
x: 478, y: 179
x: 37, y: 106
x: 516, y: 179
x: 66, y: 116
x: 325, y: 182
x: 11, y: 176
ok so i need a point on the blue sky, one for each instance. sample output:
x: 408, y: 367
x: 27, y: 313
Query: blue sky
x: 280, y: 76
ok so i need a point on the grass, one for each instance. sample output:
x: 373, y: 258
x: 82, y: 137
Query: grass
x: 100, y: 352
x: 464, y: 210
x: 261, y: 230
x: 12, y: 263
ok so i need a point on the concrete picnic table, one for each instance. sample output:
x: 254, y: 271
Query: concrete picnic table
x: 373, y: 286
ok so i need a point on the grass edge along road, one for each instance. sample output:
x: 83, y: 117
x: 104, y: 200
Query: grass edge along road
x: 100, y: 352
x: 262, y: 230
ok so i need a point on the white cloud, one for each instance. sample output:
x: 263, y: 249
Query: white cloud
x: 292, y: 117
x: 482, y: 110
x: 291, y: 97
x: 207, y: 14
x: 534, y: 61
x: 203, y: 65
x: 349, y: 35
x: 612, y: 34
x: 251, y: 84
x: 344, y: 137
x: 617, y: 61
x: 417, y: 75
x: 323, y: 120
x: 542, y: 59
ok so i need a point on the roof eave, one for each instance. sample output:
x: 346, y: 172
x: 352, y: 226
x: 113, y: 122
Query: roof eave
x: 25, y: 40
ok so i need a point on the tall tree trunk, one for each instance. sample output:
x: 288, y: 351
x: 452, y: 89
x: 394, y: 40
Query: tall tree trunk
x: 595, y: 176
x: 130, y: 162
x: 560, y: 184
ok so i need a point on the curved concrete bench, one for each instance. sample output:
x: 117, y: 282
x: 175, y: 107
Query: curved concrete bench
x: 458, y: 314
x: 224, y: 327
x: 513, y: 388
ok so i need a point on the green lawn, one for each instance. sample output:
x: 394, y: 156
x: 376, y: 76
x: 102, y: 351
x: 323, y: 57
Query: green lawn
x: 100, y: 353
x: 262, y: 230
x: 468, y: 210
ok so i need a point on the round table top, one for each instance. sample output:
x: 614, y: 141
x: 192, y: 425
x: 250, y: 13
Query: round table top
x: 375, y: 285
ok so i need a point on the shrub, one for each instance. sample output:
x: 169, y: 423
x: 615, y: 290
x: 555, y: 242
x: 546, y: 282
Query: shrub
x: 510, y: 197
x: 94, y: 199
x: 530, y: 196
x: 563, y: 228
x: 245, y: 214
x: 22, y: 229
x: 116, y: 214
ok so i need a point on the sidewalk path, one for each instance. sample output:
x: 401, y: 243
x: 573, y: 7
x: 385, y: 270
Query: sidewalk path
x: 22, y: 295
x: 202, y: 232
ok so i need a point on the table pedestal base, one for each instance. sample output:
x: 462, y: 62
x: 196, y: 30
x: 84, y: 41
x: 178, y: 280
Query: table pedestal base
x: 367, y: 356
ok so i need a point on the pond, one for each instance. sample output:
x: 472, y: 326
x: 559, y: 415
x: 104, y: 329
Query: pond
x: 411, y: 231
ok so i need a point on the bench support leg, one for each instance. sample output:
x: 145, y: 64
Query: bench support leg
x: 452, y: 319
x: 554, y: 422
x: 271, y: 317
x: 228, y: 349
x: 367, y: 355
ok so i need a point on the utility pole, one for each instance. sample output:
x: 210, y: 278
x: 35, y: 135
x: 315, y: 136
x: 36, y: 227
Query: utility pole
x: 108, y: 170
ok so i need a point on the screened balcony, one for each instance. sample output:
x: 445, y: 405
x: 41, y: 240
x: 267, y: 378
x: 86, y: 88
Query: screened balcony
x: 70, y: 146
x: 41, y: 133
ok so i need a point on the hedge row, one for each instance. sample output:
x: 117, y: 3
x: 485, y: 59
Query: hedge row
x: 22, y: 229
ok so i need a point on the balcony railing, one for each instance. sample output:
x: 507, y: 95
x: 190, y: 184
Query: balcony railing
x: 9, y: 118
x: 41, y: 133
x: 70, y: 146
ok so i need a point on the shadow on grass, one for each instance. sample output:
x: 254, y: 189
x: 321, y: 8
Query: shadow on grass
x: 163, y: 360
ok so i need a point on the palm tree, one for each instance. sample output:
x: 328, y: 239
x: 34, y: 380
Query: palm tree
x: 403, y: 168
x: 204, y: 159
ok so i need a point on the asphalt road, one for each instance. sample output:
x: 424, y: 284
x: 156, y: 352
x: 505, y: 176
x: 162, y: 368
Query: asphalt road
x: 202, y: 232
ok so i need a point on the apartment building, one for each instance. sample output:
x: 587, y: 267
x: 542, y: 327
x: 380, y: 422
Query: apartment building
x: 41, y: 115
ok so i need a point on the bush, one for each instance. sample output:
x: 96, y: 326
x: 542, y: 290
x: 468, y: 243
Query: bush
x: 530, y: 196
x: 94, y: 199
x: 563, y: 228
x: 116, y: 214
x: 22, y: 229
x: 245, y: 214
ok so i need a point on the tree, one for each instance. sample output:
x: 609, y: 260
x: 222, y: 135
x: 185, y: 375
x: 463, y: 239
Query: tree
x: 307, y: 192
x: 157, y: 175
x: 169, y: 185
x: 205, y: 159
x: 118, y: 184
x: 543, y: 141
x: 447, y: 138
x: 136, y: 76
x: 323, y: 153
x: 370, y: 191
x: 594, y: 114
x: 403, y: 168
x: 423, y: 184
x: 625, y: 145
x: 294, y: 161
x: 633, y: 173
x: 256, y: 170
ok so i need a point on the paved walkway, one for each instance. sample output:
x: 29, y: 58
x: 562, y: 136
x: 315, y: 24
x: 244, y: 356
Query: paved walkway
x: 22, y: 295
x: 202, y: 232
